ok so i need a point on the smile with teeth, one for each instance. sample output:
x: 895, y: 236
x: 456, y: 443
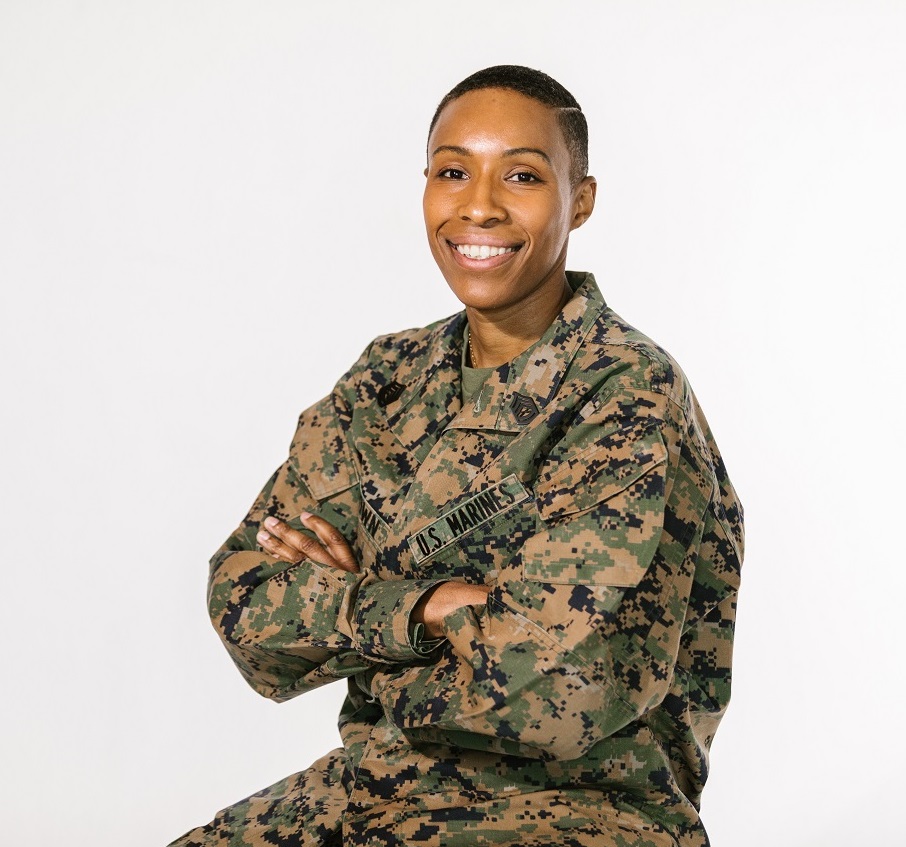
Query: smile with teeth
x: 481, y: 251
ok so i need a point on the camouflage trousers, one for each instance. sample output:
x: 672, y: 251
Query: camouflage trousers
x: 307, y: 809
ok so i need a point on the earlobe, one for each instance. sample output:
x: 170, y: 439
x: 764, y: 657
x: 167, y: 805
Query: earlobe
x: 584, y: 204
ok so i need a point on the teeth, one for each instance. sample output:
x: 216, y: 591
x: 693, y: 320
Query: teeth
x: 482, y: 251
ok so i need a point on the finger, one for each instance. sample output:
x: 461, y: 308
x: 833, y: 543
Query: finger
x: 310, y: 548
x: 333, y: 541
x: 273, y: 546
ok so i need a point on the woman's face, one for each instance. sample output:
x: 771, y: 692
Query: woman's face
x: 498, y: 201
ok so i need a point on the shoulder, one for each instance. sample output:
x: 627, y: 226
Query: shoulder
x: 414, y: 345
x: 650, y: 386
x: 612, y: 353
x: 615, y: 348
x: 402, y: 359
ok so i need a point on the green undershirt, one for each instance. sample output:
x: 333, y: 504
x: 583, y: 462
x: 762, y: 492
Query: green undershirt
x: 472, y: 378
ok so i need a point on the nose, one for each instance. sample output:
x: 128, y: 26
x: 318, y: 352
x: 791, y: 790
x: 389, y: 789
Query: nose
x: 481, y: 203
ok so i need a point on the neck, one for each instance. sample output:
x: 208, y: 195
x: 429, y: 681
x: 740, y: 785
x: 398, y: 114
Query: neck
x: 500, y: 336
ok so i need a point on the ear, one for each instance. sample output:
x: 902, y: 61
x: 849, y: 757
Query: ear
x: 425, y: 172
x: 584, y: 201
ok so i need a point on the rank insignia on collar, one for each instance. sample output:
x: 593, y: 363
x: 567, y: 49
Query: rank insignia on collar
x: 390, y: 392
x: 524, y: 408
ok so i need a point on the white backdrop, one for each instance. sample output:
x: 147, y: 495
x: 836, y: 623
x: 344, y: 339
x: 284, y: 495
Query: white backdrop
x: 207, y: 209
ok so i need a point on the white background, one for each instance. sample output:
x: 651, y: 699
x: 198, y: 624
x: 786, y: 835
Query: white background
x: 207, y: 209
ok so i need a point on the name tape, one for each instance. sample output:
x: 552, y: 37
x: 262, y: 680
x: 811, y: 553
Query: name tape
x: 477, y: 510
x: 371, y: 521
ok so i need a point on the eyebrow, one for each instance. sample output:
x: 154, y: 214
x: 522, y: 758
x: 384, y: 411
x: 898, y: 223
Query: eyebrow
x: 515, y: 151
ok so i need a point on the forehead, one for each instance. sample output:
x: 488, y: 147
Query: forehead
x: 495, y: 119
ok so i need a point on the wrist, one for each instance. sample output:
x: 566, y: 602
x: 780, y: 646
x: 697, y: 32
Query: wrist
x: 443, y: 599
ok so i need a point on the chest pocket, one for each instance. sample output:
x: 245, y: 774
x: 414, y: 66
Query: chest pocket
x: 603, y: 514
x: 319, y: 455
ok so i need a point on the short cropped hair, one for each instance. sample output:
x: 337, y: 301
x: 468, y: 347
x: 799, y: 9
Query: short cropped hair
x: 539, y: 86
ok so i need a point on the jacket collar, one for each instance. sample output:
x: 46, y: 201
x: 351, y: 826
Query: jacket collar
x: 430, y: 376
x: 518, y: 391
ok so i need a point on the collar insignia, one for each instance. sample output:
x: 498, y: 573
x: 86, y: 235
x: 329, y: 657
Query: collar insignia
x: 524, y: 408
x: 390, y: 392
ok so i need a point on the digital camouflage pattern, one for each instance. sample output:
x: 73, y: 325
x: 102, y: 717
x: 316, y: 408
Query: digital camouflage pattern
x: 577, y: 707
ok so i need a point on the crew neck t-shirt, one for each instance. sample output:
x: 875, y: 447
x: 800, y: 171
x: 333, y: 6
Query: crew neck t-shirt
x: 473, y: 379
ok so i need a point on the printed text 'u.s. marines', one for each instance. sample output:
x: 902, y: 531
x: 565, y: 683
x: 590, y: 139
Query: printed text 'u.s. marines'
x: 477, y: 510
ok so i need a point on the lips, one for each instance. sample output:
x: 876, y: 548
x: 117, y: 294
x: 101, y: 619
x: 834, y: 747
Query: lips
x: 482, y: 252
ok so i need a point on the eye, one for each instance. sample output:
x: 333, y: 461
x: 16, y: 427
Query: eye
x: 452, y: 173
x: 523, y: 177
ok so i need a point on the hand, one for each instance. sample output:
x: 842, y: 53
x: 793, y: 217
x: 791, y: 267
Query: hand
x: 437, y: 603
x: 289, y: 545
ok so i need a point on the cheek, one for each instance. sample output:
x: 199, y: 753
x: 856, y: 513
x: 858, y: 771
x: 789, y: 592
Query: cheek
x: 429, y: 208
x: 551, y: 228
x: 436, y: 207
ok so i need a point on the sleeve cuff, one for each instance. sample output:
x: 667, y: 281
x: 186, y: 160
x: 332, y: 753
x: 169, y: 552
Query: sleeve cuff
x: 383, y: 626
x: 421, y: 645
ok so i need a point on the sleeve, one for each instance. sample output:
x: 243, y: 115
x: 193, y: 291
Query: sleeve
x: 382, y: 626
x: 582, y: 629
x: 277, y: 620
x: 293, y: 627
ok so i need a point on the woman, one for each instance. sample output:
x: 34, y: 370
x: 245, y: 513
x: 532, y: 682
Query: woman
x: 510, y: 532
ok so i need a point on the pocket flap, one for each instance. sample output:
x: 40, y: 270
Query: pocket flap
x: 319, y: 454
x: 605, y: 514
x: 596, y: 474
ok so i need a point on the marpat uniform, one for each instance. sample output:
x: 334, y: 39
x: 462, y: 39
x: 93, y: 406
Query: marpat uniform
x: 577, y: 707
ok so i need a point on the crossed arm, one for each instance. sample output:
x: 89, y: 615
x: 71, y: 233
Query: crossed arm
x: 329, y: 548
x: 569, y: 643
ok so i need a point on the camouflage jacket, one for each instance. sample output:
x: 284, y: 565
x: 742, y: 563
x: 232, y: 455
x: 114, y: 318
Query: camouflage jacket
x: 583, y: 484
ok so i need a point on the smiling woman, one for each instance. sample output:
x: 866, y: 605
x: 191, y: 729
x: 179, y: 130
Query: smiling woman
x: 509, y: 532
x: 499, y: 206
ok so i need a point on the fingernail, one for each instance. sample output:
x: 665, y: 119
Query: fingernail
x: 304, y: 516
x: 263, y: 536
x: 271, y: 521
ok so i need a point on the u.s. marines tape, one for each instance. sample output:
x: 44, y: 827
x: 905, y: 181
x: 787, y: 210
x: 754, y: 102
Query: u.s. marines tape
x: 461, y: 520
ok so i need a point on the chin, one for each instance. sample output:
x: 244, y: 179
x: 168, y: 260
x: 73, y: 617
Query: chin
x: 479, y: 294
